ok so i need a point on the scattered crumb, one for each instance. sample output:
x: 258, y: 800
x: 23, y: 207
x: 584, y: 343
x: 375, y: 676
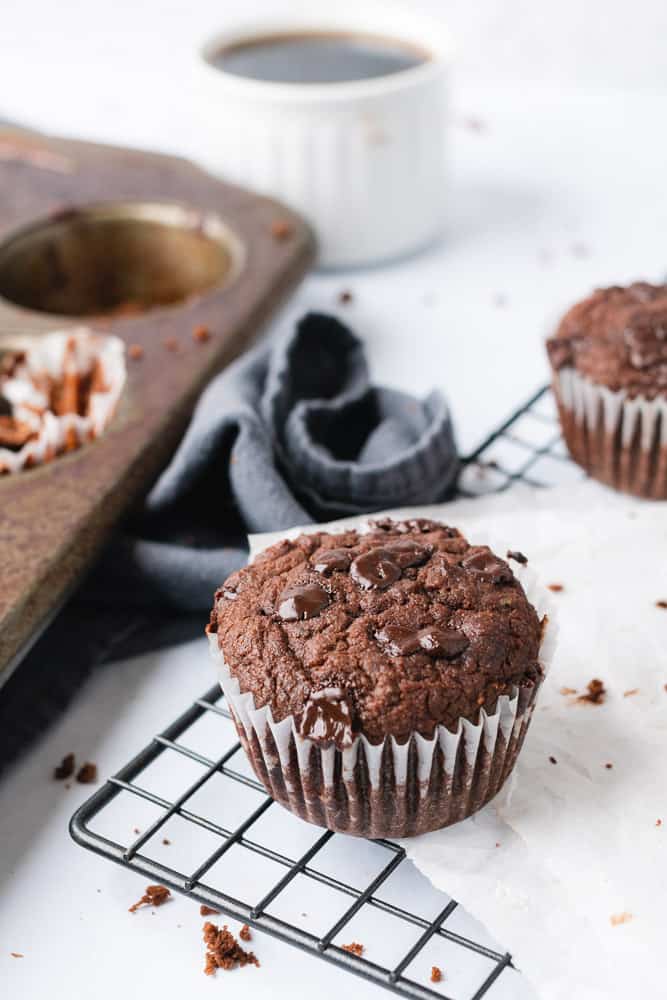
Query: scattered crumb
x: 609, y: 766
x: 580, y: 250
x: 620, y: 918
x: 661, y: 604
x: 474, y: 124
x: 136, y: 830
x: 436, y: 974
x: 556, y: 587
x: 245, y: 934
x: 658, y: 822
x: 166, y: 841
x: 553, y: 760
x: 207, y: 911
x: 16, y: 954
x: 201, y: 334
x: 155, y: 895
x: 354, y: 948
x: 665, y: 686
x: 345, y: 297
x: 136, y: 352
x: 87, y: 773
x: 497, y: 843
x: 629, y: 694
x: 281, y: 229
x: 567, y: 690
x: 65, y: 768
x: 171, y: 344
x: 595, y: 692
x: 500, y: 300
x: 223, y: 950
x: 517, y: 557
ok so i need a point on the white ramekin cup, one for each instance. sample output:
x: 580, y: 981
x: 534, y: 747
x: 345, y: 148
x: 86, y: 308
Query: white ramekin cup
x: 362, y: 161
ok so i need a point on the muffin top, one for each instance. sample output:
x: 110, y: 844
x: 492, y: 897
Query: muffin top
x: 389, y: 631
x: 618, y: 338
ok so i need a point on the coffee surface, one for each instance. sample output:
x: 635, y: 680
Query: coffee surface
x: 318, y: 58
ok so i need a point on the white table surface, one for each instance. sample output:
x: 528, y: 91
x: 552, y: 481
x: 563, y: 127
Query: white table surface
x: 558, y: 192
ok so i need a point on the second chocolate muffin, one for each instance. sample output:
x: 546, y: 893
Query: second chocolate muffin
x: 381, y: 682
x: 609, y: 362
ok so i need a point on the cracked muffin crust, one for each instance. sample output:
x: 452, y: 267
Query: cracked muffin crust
x: 390, y: 631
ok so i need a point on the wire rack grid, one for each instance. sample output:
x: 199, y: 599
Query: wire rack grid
x: 526, y: 448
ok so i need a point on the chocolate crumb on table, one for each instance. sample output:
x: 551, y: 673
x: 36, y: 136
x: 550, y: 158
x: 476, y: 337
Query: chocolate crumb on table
x: 135, y: 351
x: 136, y: 830
x: 201, y: 334
x: 223, y: 950
x: 661, y: 604
x: 631, y: 692
x: 609, y: 765
x: 345, y: 297
x: 658, y: 822
x: 354, y: 948
x: 568, y: 690
x: 553, y: 760
x: 166, y: 841
x: 595, y: 692
x: 281, y: 229
x: 17, y: 954
x: 65, y: 768
x: 620, y: 918
x: 556, y: 587
x: 207, y: 911
x: 87, y: 773
x: 245, y: 934
x: 436, y: 974
x: 517, y: 557
x: 155, y: 895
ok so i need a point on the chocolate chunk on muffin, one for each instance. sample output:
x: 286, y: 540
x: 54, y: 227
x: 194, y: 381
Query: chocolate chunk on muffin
x: 394, y: 645
x: 609, y: 362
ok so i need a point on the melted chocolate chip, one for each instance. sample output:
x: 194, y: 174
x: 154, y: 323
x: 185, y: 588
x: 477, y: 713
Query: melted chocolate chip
x: 407, y: 553
x: 485, y: 563
x: 447, y: 642
x: 332, y: 561
x: 399, y: 640
x: 421, y: 524
x: 302, y: 603
x: 327, y: 719
x: 376, y: 569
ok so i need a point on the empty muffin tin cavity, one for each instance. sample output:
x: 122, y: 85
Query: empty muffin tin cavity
x: 117, y: 258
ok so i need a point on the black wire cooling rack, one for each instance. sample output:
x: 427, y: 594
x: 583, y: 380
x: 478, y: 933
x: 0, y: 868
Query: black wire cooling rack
x: 526, y: 448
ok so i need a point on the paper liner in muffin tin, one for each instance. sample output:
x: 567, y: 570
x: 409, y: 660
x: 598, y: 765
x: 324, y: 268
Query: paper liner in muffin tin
x: 71, y: 355
x: 618, y: 440
x: 390, y: 789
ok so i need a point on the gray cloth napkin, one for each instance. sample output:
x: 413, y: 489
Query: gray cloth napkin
x: 291, y: 433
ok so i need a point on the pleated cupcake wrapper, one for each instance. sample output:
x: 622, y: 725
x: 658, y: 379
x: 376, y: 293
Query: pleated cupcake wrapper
x: 390, y: 789
x: 73, y: 353
x: 618, y: 440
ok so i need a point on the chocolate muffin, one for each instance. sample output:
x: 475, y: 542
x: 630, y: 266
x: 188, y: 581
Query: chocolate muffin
x: 381, y: 682
x: 609, y: 361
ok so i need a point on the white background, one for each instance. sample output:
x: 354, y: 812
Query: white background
x: 562, y: 188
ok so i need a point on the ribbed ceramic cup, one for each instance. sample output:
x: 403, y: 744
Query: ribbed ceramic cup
x: 363, y: 160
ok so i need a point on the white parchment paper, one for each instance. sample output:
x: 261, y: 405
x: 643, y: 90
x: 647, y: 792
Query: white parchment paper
x: 568, y: 867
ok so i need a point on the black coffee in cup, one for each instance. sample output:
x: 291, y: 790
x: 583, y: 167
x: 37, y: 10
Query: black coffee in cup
x: 317, y: 57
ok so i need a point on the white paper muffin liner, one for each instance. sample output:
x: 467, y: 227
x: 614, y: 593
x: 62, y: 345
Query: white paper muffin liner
x: 390, y: 789
x: 618, y: 440
x: 67, y: 354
